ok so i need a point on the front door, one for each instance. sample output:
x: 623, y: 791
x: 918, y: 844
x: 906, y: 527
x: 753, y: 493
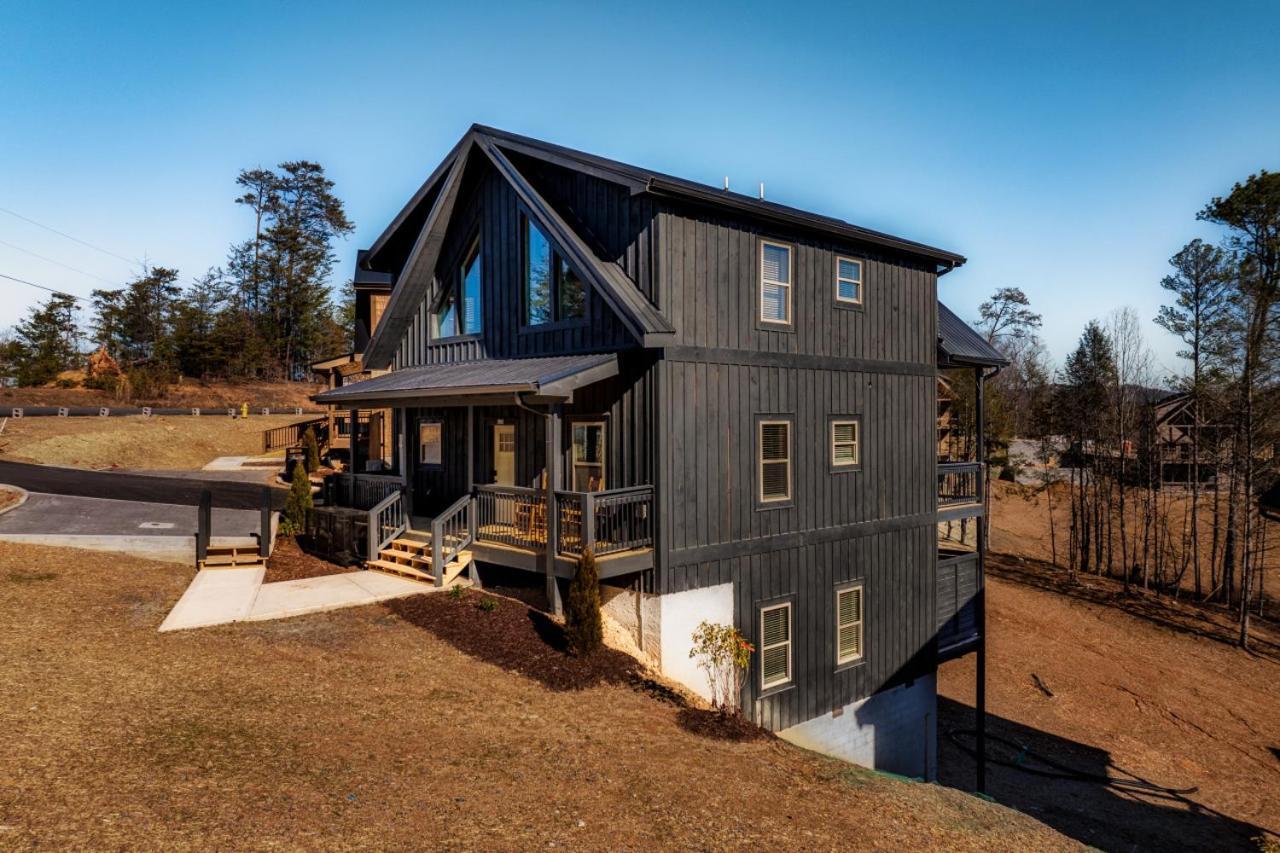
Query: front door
x: 504, y: 467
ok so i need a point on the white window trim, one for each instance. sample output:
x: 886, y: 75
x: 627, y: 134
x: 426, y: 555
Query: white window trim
x: 761, y: 462
x: 861, y: 622
x: 786, y: 285
x: 862, y: 267
x: 788, y: 643
x: 604, y: 452
x: 857, y: 442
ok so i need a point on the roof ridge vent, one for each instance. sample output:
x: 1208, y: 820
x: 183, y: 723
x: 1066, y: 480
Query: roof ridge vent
x: 762, y: 190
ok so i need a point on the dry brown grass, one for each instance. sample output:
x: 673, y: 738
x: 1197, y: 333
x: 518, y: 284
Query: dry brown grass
x: 187, y: 393
x: 178, y: 442
x: 358, y: 729
x: 8, y: 497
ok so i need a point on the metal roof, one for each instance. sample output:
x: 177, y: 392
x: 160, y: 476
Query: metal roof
x: 960, y: 346
x: 553, y: 377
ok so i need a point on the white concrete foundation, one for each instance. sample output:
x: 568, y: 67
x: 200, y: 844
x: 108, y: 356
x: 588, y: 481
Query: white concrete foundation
x: 896, y: 731
x: 681, y: 613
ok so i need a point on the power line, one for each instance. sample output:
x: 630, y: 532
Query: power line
x: 42, y: 287
x: 60, y: 263
x: 133, y: 262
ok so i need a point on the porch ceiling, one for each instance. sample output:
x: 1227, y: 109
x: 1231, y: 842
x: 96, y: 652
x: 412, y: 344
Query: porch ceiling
x: 554, y: 377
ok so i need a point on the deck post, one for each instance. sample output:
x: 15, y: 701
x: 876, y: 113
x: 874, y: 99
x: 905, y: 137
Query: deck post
x: 589, y: 522
x: 264, y: 526
x: 406, y: 464
x: 553, y: 512
x: 204, y: 526
x: 353, y: 434
x: 471, y: 457
x: 980, y: 605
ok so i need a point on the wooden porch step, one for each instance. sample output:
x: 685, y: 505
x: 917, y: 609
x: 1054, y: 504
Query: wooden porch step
x: 401, y: 570
x: 421, y: 569
x: 227, y: 561
x: 412, y: 544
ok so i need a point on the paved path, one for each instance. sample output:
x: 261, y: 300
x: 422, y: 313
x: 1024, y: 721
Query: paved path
x: 55, y: 480
x: 220, y: 596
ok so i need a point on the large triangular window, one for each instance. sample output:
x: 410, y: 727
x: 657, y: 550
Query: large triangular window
x: 553, y: 291
x: 459, y: 312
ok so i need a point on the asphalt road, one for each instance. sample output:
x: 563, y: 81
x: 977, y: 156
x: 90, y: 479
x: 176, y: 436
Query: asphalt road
x: 185, y: 490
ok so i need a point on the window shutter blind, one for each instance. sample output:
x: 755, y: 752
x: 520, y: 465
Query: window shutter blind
x: 775, y: 464
x: 776, y: 262
x: 850, y: 270
x: 775, y: 655
x: 849, y: 617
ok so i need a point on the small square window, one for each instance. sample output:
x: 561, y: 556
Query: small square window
x: 849, y: 281
x: 846, y: 451
x: 849, y: 625
x: 775, y: 283
x: 775, y: 646
x: 775, y: 461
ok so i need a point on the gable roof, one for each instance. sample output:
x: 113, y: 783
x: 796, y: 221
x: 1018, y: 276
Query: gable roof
x: 960, y: 346
x: 431, y: 207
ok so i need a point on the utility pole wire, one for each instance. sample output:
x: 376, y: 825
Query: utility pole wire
x: 42, y: 287
x: 133, y: 262
x: 59, y: 263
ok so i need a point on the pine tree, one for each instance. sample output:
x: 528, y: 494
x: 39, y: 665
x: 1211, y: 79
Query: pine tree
x: 311, y: 450
x: 583, y: 625
x: 298, y: 506
x: 44, y: 344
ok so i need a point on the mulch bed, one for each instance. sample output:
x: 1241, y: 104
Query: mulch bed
x: 288, y: 562
x: 713, y: 724
x: 517, y: 638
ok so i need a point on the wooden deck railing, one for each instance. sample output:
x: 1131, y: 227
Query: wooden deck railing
x: 605, y: 522
x: 451, y: 532
x: 290, y: 435
x: 387, y: 519
x: 511, y: 515
x: 360, y: 491
x: 959, y: 483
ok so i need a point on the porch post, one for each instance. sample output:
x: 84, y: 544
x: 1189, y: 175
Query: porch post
x: 406, y: 465
x: 354, y: 436
x: 553, y: 512
x: 980, y: 603
x: 471, y: 457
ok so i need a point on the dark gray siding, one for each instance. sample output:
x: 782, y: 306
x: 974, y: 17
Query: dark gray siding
x: 876, y: 524
x: 489, y: 207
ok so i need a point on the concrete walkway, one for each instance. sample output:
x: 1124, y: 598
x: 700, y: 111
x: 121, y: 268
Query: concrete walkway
x: 220, y: 596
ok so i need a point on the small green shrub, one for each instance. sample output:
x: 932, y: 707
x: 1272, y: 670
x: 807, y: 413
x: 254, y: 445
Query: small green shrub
x: 310, y: 450
x: 584, y: 628
x: 456, y: 593
x: 66, y: 382
x: 488, y: 605
x: 298, y: 506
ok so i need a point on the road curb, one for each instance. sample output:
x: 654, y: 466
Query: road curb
x: 23, y: 494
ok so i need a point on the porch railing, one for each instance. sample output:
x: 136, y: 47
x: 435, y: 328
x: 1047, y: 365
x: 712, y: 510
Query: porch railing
x: 959, y: 483
x: 290, y: 435
x: 387, y: 519
x: 605, y: 522
x: 361, y: 491
x: 451, y: 532
x: 511, y: 515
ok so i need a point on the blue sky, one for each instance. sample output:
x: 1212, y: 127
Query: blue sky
x: 1063, y: 147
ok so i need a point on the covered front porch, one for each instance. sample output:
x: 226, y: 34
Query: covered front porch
x: 521, y: 463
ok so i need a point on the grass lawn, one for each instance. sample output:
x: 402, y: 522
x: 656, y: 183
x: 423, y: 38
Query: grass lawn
x: 373, y: 728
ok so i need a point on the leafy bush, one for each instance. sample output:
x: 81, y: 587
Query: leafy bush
x: 66, y: 382
x: 723, y: 654
x: 310, y: 450
x: 583, y: 626
x: 298, y: 506
x: 488, y: 605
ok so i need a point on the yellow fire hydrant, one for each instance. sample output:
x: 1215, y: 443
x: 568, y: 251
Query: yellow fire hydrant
x: 244, y: 410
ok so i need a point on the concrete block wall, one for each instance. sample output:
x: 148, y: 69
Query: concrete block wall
x: 895, y: 730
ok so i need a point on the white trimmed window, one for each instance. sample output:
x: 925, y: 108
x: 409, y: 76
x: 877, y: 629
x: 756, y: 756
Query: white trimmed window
x: 849, y: 281
x: 588, y: 456
x: 849, y: 625
x: 845, y: 450
x: 775, y: 645
x: 430, y: 443
x: 775, y: 461
x: 775, y: 283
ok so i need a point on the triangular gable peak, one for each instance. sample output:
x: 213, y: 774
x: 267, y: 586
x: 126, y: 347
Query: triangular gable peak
x: 414, y: 284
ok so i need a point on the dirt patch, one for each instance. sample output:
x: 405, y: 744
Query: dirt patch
x: 1087, y: 684
x: 516, y: 638
x: 718, y: 726
x: 9, y: 497
x: 177, y: 442
x: 288, y: 562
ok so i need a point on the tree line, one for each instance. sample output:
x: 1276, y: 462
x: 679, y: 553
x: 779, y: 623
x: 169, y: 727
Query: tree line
x: 265, y: 314
x: 1097, y: 416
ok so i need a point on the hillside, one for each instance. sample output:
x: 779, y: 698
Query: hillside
x: 1132, y: 687
x: 378, y: 728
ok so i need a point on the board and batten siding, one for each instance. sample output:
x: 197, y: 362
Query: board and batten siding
x: 876, y: 362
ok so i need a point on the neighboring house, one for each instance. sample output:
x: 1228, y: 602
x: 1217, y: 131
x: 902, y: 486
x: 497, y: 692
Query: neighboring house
x: 730, y: 401
x: 373, y: 427
x: 1175, y: 441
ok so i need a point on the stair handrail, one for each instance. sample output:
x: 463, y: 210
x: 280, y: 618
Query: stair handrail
x: 387, y: 520
x: 451, y: 532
